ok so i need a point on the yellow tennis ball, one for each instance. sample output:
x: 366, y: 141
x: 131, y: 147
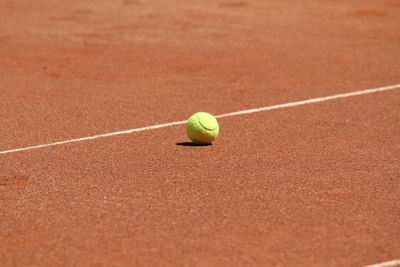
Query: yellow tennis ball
x: 202, y: 128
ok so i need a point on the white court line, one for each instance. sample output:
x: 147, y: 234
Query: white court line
x: 386, y: 264
x: 247, y: 111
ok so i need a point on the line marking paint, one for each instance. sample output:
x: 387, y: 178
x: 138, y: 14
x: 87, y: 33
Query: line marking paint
x: 247, y: 111
x: 386, y: 264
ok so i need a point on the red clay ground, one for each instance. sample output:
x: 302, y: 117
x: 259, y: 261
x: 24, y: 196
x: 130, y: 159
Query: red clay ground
x: 316, y: 185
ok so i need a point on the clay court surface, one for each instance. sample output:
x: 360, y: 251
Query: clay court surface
x: 308, y: 185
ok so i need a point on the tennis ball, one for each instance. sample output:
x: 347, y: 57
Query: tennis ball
x: 202, y: 128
